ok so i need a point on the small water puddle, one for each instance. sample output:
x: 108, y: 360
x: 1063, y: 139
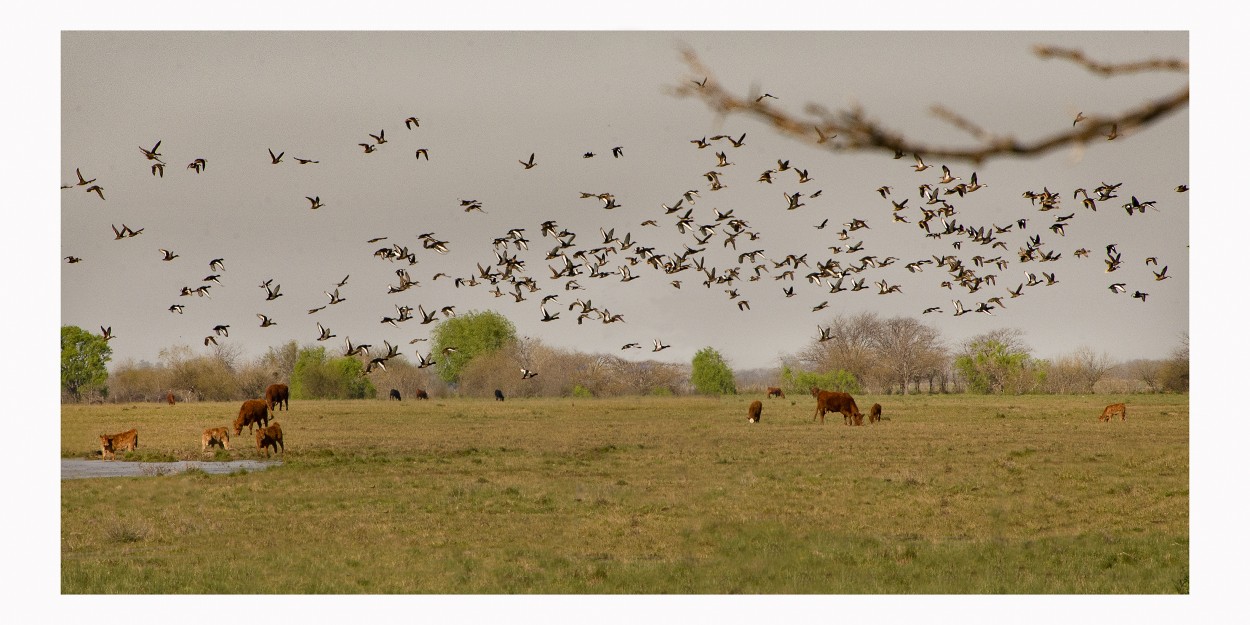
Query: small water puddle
x: 76, y: 468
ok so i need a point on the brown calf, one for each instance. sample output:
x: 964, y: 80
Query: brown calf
x: 874, y: 413
x: 270, y: 436
x: 774, y: 391
x: 126, y: 441
x: 753, y: 412
x: 1111, y: 411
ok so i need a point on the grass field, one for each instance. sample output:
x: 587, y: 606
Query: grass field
x: 951, y: 494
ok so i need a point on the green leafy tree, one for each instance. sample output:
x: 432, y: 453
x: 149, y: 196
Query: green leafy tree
x: 999, y: 362
x: 471, y: 334
x: 308, y: 375
x: 83, y: 359
x: 316, y: 377
x: 349, y: 374
x: 710, y: 374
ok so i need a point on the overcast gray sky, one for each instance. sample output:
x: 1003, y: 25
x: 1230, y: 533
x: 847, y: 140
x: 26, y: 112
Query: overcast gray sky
x: 488, y: 99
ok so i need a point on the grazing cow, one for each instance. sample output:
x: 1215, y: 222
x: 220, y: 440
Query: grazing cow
x: 169, y: 397
x: 834, y: 401
x: 421, y: 394
x: 775, y: 391
x: 215, y: 436
x: 276, y: 395
x: 498, y: 395
x: 874, y: 413
x: 395, y: 395
x: 270, y: 436
x: 252, y: 411
x: 753, y: 412
x: 126, y: 441
x: 1111, y: 411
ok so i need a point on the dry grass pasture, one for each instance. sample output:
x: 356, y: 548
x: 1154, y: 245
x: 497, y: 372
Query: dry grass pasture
x: 949, y: 494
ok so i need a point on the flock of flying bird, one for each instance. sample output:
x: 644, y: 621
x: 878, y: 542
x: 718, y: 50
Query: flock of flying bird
x: 847, y: 266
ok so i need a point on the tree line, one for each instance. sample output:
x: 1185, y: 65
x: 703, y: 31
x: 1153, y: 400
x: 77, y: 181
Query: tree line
x: 476, y: 353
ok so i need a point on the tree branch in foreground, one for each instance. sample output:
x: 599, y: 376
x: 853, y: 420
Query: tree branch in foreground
x: 855, y: 131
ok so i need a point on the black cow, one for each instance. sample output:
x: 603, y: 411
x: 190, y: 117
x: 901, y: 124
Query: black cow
x: 498, y: 395
x: 395, y: 395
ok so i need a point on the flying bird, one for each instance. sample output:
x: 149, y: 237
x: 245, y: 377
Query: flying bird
x: 527, y: 374
x: 324, y: 333
x: 275, y: 158
x: 265, y: 322
x: 659, y: 346
x: 152, y: 155
x: 530, y: 163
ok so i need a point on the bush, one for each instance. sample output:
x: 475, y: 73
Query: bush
x: 801, y: 382
x: 710, y: 374
x: 581, y: 391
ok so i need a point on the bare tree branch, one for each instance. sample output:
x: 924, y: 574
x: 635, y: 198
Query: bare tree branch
x: 855, y: 131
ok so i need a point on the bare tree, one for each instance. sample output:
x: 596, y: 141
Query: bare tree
x: 855, y: 131
x: 905, y: 348
x: 851, y: 346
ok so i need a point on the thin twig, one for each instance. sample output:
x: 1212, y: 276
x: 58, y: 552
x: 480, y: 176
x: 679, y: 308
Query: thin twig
x: 857, y: 132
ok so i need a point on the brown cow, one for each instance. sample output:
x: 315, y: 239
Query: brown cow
x: 252, y: 411
x: 753, y: 412
x: 169, y: 397
x: 126, y: 441
x: 276, y: 396
x: 215, y: 436
x: 834, y: 401
x: 874, y: 413
x: 775, y: 391
x: 1113, y: 410
x: 421, y: 394
x: 270, y: 436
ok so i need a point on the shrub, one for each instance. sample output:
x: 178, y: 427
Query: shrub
x: 710, y: 374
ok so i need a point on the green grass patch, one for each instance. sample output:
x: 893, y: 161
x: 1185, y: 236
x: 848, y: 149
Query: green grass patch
x: 644, y: 495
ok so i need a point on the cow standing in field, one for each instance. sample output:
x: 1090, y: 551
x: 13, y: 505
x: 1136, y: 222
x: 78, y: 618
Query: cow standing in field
x: 169, y: 397
x: 421, y: 394
x: 270, y: 436
x: 276, y: 395
x: 754, y: 410
x: 834, y: 401
x: 775, y: 391
x: 498, y: 395
x: 253, y: 411
x: 395, y: 395
x: 874, y: 413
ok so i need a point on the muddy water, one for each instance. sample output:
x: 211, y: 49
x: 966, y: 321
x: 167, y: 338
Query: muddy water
x: 75, y: 469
